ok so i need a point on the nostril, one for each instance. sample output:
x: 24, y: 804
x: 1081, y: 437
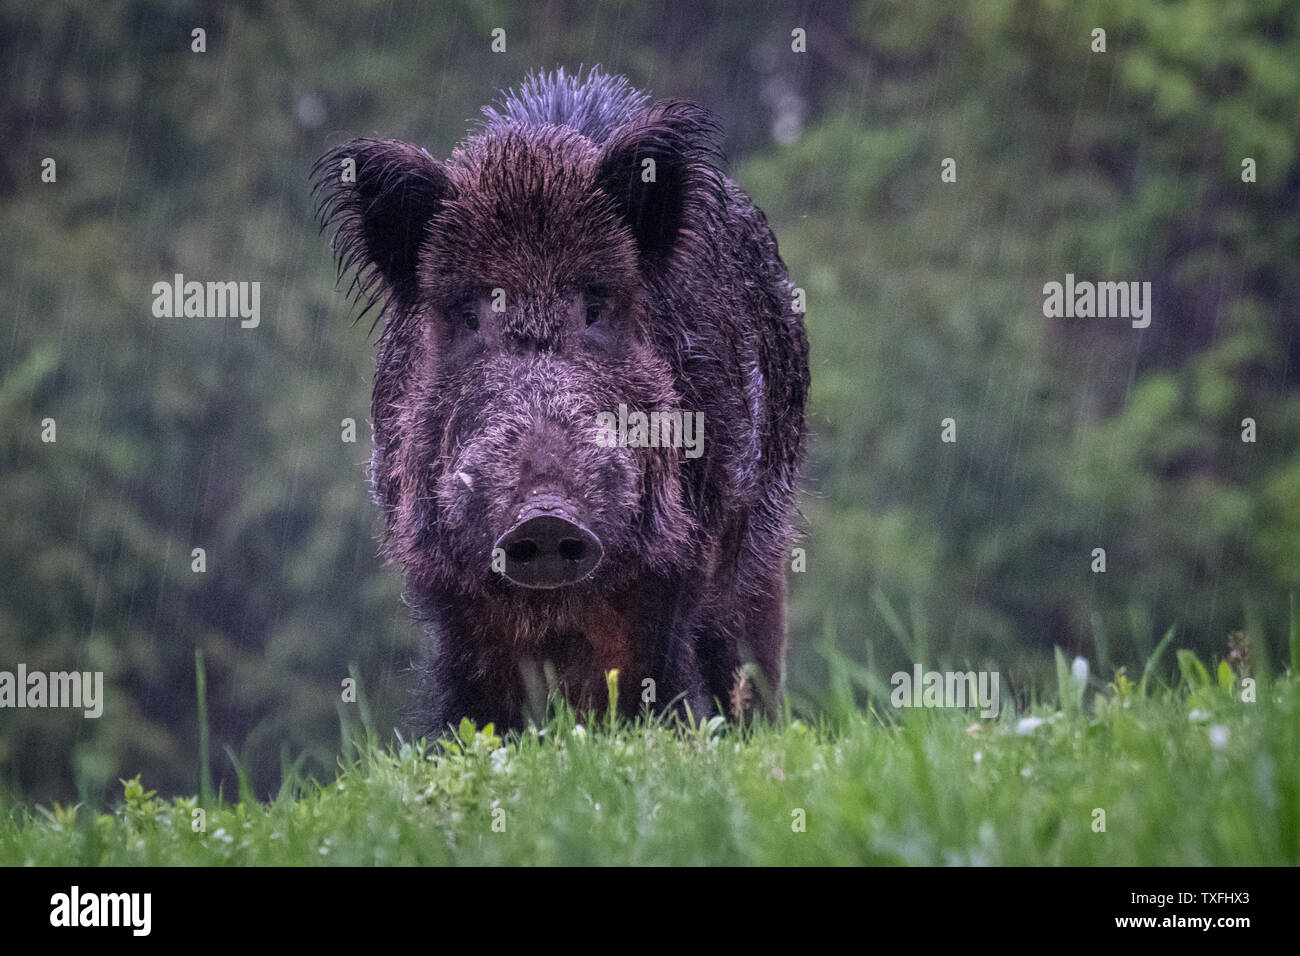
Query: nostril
x: 571, y: 549
x: 547, y: 549
x: 523, y: 551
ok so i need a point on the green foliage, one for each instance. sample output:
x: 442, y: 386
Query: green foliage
x: 1202, y: 779
x: 1294, y: 633
x: 925, y: 304
x: 1069, y: 689
x: 1194, y: 673
x: 1154, y: 660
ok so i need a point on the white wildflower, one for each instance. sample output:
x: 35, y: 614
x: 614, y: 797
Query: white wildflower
x: 1028, y: 725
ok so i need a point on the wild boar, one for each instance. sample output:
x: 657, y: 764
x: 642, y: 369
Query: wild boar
x: 578, y: 264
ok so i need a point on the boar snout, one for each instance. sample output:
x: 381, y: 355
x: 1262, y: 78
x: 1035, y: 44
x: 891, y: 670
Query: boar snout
x: 548, y: 546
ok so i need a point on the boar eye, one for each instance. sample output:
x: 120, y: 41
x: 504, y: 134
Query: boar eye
x: 467, y: 316
x: 595, y: 311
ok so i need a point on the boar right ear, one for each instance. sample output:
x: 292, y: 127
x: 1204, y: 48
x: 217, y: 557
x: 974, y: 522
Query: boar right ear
x: 663, y: 174
x: 381, y: 194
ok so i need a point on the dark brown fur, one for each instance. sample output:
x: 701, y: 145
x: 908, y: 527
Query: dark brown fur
x: 473, y: 408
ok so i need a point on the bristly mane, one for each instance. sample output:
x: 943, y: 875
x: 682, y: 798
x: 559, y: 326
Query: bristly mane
x: 379, y: 219
x: 594, y: 105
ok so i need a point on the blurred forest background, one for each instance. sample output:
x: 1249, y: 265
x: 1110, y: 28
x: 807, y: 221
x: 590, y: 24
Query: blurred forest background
x: 925, y: 302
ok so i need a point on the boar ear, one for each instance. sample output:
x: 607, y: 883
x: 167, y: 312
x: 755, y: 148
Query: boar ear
x: 381, y: 195
x: 656, y: 200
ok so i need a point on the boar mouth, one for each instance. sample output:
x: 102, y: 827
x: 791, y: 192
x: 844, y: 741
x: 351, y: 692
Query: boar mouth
x: 548, y: 546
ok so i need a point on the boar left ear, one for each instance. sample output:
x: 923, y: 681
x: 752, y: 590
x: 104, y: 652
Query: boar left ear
x: 381, y: 194
x: 662, y: 173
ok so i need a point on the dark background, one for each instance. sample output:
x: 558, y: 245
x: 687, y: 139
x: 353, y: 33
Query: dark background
x: 925, y: 302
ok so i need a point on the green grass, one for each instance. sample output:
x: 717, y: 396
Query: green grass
x: 1185, y: 775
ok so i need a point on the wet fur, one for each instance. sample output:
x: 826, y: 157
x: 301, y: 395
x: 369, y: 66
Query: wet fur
x: 544, y: 200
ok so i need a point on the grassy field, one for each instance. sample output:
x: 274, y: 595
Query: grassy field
x: 1191, y: 774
